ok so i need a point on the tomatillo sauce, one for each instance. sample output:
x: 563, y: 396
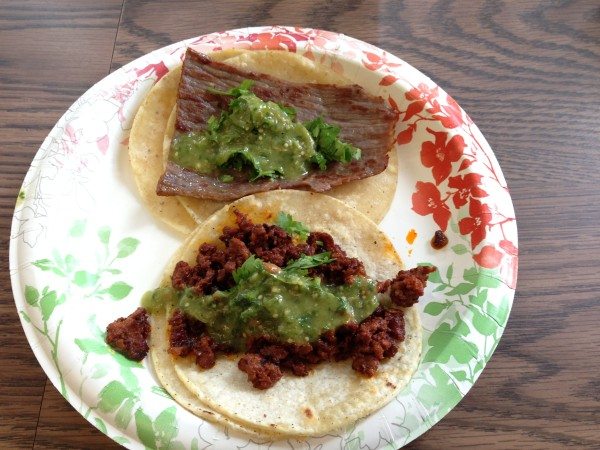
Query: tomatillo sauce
x: 260, y: 139
x: 288, y: 305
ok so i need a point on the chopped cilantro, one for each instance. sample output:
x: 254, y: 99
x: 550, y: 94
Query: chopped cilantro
x: 306, y: 262
x: 328, y: 144
x: 289, y: 110
x: 287, y: 222
x: 243, y: 88
x: 251, y: 266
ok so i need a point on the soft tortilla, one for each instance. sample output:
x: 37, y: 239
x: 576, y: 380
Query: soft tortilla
x: 333, y: 395
x: 152, y: 132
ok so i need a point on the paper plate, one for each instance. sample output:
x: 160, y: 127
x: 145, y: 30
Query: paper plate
x: 84, y: 249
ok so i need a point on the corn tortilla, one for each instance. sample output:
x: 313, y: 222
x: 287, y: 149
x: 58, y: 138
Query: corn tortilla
x: 333, y: 395
x: 152, y: 131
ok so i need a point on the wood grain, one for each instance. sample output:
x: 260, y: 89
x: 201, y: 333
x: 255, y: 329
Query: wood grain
x: 528, y: 73
x: 50, y: 53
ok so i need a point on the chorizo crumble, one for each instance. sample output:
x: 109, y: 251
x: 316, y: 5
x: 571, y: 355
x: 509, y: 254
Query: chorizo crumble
x: 366, y: 344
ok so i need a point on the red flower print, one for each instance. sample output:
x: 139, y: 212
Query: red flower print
x: 422, y: 92
x: 481, y: 216
x: 404, y: 137
x: 439, y: 156
x: 374, y: 61
x: 467, y: 186
x: 449, y: 115
x: 414, y: 108
x: 159, y: 69
x: 388, y: 80
x: 488, y: 257
x: 271, y: 41
x: 427, y: 200
x: 509, y: 247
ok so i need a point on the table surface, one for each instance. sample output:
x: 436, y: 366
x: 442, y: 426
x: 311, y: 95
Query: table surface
x: 528, y: 73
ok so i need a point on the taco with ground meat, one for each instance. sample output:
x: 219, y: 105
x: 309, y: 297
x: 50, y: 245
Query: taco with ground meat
x: 351, y: 132
x: 286, y: 313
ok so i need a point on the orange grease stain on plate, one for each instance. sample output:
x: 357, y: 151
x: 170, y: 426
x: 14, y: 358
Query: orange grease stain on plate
x: 411, y: 236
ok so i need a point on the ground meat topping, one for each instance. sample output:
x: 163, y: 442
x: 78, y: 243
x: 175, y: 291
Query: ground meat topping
x: 128, y: 335
x: 375, y: 339
x: 261, y: 373
x: 406, y: 288
x: 184, y: 333
x: 272, y: 244
x: 343, y: 269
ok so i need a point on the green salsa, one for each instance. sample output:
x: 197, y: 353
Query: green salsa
x: 261, y: 136
x: 287, y: 305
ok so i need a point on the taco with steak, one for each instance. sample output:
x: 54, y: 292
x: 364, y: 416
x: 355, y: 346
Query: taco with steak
x: 233, y: 123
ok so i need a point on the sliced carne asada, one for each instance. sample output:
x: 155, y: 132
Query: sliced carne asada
x: 365, y: 121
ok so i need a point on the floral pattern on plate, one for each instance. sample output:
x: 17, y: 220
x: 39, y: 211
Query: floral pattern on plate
x: 80, y: 248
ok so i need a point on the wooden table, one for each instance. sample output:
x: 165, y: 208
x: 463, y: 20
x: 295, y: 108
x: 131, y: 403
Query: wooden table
x: 528, y: 73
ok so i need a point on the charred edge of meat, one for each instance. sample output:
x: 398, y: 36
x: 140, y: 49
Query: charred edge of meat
x: 128, y: 335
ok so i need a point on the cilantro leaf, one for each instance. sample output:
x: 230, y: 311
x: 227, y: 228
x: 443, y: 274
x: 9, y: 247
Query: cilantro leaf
x: 287, y: 222
x: 320, y: 160
x: 328, y: 145
x: 242, y: 89
x: 306, y: 262
x: 289, y: 110
x: 251, y: 266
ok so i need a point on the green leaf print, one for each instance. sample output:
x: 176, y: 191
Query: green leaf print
x: 443, y: 391
x: 93, y: 346
x: 447, y: 342
x: 32, y: 295
x: 480, y: 298
x: 143, y: 426
x: 435, y: 308
x: 483, y: 278
x: 459, y: 249
x: 461, y: 289
x: 112, y: 396
x: 460, y: 375
x: 99, y: 371
x: 483, y: 323
x: 489, y: 278
x: 100, y: 425
x: 124, y: 414
x: 449, y: 272
x: 500, y: 313
x: 104, y: 235
x: 118, y: 290
x: 83, y: 278
x: 70, y: 263
x: 78, y: 228
x: 49, y: 302
x: 126, y: 247
x: 161, y: 391
x: 43, y: 264
x: 124, y: 362
x: 165, y: 427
